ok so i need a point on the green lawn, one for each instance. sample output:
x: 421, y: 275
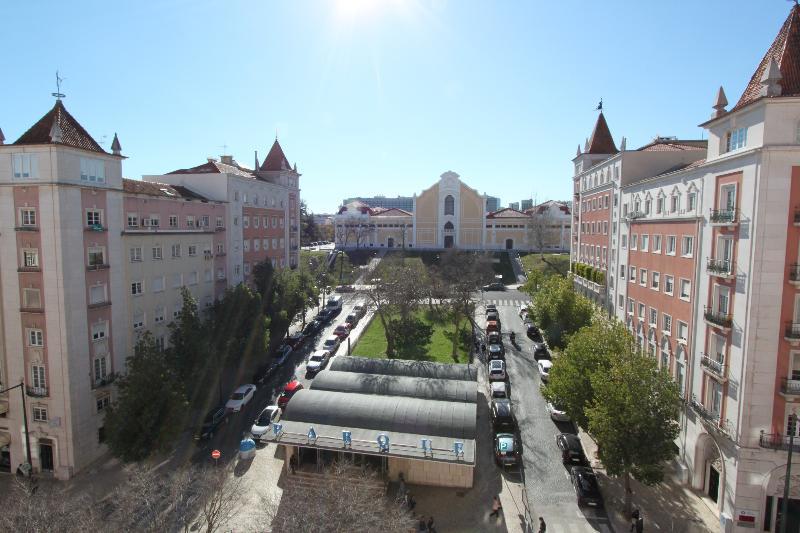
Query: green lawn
x: 347, y: 265
x: 372, y: 342
x: 553, y: 264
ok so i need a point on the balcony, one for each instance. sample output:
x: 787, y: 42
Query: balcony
x: 721, y: 268
x: 26, y: 227
x: 96, y: 265
x: 776, y: 441
x: 797, y: 216
x: 29, y: 269
x: 95, y: 227
x: 633, y: 215
x: 794, y: 274
x: 717, y: 319
x: 723, y: 217
x: 104, y: 382
x: 791, y: 332
x: 790, y: 387
x: 36, y: 392
x: 98, y: 305
x: 703, y: 412
x: 714, y: 365
x: 37, y: 310
x: 219, y: 228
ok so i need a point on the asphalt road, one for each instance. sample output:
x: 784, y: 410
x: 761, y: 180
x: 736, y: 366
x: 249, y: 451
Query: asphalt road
x: 549, y: 490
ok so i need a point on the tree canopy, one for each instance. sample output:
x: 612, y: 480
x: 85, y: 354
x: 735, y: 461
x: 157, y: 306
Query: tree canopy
x: 559, y: 311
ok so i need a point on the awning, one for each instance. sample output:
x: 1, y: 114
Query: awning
x: 5, y: 439
x: 3, y: 407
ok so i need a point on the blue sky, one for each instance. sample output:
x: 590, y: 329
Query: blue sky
x: 380, y: 96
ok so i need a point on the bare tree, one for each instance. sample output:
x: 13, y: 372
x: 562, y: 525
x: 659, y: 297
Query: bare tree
x: 46, y: 509
x: 345, y: 498
x: 220, y: 494
x: 539, y: 229
x: 361, y: 232
x: 342, y: 234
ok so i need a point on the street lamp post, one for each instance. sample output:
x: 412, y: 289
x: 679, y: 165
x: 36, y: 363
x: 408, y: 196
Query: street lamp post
x: 788, y: 478
x: 21, y: 388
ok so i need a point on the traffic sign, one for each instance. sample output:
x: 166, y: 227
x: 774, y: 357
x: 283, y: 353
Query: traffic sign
x: 216, y: 454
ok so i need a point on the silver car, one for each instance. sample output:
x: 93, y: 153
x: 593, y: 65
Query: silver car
x: 497, y: 370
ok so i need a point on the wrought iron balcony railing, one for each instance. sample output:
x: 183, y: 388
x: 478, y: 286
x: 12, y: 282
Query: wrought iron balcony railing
x: 724, y: 216
x: 719, y: 266
x: 715, y: 364
x: 715, y: 317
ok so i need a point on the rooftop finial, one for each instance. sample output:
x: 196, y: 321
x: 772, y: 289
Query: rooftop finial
x: 2, y: 137
x: 720, y: 103
x: 578, y: 153
x: 256, y: 167
x: 771, y: 80
x: 116, y: 147
x: 623, y: 144
x: 600, y: 106
x: 58, y: 94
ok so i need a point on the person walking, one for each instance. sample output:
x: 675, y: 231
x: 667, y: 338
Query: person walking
x: 542, y: 525
x: 431, y: 529
x: 496, y: 507
x: 634, y: 519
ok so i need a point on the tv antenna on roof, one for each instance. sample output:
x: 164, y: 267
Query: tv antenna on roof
x: 58, y: 94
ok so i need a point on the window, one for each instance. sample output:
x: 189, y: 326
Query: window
x: 688, y: 246
x: 674, y: 203
x: 633, y: 274
x: 605, y: 228
x: 641, y: 310
x: 96, y: 256
x: 449, y: 205
x: 220, y: 222
x: 630, y: 305
x: 647, y: 206
x: 192, y: 278
x: 256, y: 222
x: 735, y: 139
x: 244, y: 197
x: 671, y: 244
x: 94, y: 217
x: 624, y: 241
x: 235, y: 221
x: 220, y: 273
x: 691, y: 201
x: 39, y: 413
x: 683, y: 331
x: 246, y: 221
x: 236, y: 196
x: 274, y: 244
x: 93, y: 170
x: 158, y: 284
x: 25, y: 166
x: 643, y: 277
x: 655, y: 279
x: 177, y: 280
x: 192, y: 250
x: 274, y: 222
x: 99, y: 331
x: 176, y: 312
x: 656, y: 244
x: 645, y: 242
x: 190, y: 221
x: 133, y: 220
x: 28, y: 217
x: 238, y: 270
x: 723, y: 299
x: 31, y: 298
x: 634, y: 242
x: 155, y: 221
x: 30, y: 258
x: 622, y: 271
x: 659, y: 205
x: 102, y: 403
x: 35, y: 338
x: 653, y: 317
x: 668, y: 284
x: 246, y: 245
x: 265, y: 222
x: 205, y: 221
x: 158, y: 253
x: 281, y: 222
x: 667, y: 324
x: 686, y: 289
x: 137, y: 288
x: 138, y: 319
x: 158, y: 315
x: 620, y: 301
x: 208, y: 275
x: 176, y: 250
x: 97, y: 294
x: 247, y: 269
x: 220, y: 248
x: 136, y: 254
x: 37, y: 375
x: 173, y: 221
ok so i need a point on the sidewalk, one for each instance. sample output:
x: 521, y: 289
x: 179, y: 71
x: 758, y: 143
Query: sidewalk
x: 516, y: 264
x: 668, y: 507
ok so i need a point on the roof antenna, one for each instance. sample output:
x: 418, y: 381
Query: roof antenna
x: 58, y: 94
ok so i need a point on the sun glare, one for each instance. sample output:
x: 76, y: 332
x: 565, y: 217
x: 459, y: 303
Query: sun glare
x: 364, y: 10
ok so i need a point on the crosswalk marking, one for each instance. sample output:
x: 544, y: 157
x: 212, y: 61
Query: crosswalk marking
x: 561, y: 527
x: 506, y: 302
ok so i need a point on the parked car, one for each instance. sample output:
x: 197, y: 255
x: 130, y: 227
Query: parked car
x: 493, y: 325
x: 312, y: 328
x: 211, y: 422
x: 491, y: 307
x: 240, y: 397
x: 317, y: 361
x: 324, y: 316
x: 262, y: 424
x: 503, y: 416
x: 541, y: 353
x: 264, y: 372
x: 523, y: 311
x: 544, y: 366
x: 295, y: 340
x: 494, y: 337
x: 334, y: 305
x: 499, y: 390
x: 289, y: 390
x: 352, y: 320
x: 282, y: 354
x: 497, y: 351
x: 571, y: 449
x: 342, y: 331
x: 345, y: 288
x: 497, y: 370
x: 360, y: 310
x: 495, y: 286
x: 533, y: 333
x: 507, y: 449
x: 331, y: 344
x: 557, y: 412
x: 492, y: 315
x: 586, y: 487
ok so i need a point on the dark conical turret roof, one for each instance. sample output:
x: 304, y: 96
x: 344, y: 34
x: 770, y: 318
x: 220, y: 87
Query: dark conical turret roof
x: 72, y: 133
x: 601, y: 141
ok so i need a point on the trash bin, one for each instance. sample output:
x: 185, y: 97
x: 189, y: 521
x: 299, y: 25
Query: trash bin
x: 247, y: 449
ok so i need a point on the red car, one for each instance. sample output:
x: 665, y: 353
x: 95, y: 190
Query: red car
x: 288, y: 391
x: 342, y: 331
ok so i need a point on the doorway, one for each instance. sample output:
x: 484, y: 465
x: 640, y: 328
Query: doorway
x: 390, y: 242
x: 713, y: 482
x: 793, y: 518
x: 46, y: 456
x: 509, y: 244
x: 448, y: 241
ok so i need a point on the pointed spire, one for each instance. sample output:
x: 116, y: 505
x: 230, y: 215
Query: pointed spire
x: 586, y: 145
x: 2, y: 137
x: 276, y: 159
x: 116, y: 147
x: 601, y: 141
x: 56, y: 135
x: 720, y: 103
x: 295, y: 167
x: 256, y: 165
x: 623, y: 144
x: 771, y: 80
x: 578, y: 153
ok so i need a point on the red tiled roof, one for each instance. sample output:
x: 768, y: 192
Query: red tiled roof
x: 506, y: 212
x: 72, y: 133
x: 164, y: 190
x: 215, y: 167
x: 785, y: 50
x: 275, y: 160
x: 538, y: 209
x: 601, y: 141
x: 389, y: 212
x: 673, y: 145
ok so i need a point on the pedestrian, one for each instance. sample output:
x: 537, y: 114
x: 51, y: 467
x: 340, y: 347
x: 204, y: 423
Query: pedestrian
x: 293, y: 463
x: 421, y: 525
x: 496, y: 507
x: 410, y: 502
x: 401, y: 489
x: 430, y: 525
x: 640, y: 524
x: 634, y: 519
x: 542, y: 525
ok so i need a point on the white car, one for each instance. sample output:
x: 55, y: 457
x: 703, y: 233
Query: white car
x: 497, y: 370
x: 240, y: 398
x: 544, y: 369
x: 523, y: 311
x: 331, y: 344
x: 264, y: 421
x: 499, y: 390
x: 317, y: 361
x: 557, y: 413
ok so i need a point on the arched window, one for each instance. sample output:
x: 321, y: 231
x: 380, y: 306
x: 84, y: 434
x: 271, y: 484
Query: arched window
x: 449, y: 205
x: 449, y: 225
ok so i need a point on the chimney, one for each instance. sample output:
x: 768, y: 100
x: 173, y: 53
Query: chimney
x: 226, y: 159
x: 623, y: 144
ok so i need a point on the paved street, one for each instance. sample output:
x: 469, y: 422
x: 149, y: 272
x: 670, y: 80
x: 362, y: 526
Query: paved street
x: 549, y: 490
